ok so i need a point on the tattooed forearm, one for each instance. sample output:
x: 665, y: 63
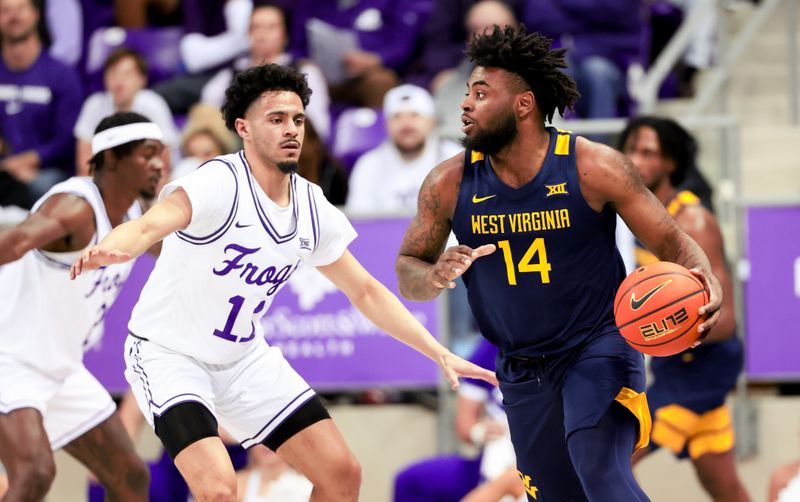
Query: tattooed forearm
x: 423, y: 243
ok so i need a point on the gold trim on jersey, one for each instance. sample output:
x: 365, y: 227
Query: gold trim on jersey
x: 682, y: 199
x: 475, y: 157
x: 710, y: 432
x: 562, y: 144
x: 636, y: 403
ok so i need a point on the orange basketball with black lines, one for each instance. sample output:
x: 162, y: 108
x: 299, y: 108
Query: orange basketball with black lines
x: 656, y: 308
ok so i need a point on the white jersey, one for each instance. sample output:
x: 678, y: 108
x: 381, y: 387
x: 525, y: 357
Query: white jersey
x: 216, y: 278
x: 47, y: 320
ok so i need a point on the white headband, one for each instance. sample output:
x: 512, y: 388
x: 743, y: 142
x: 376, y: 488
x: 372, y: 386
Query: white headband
x: 125, y: 134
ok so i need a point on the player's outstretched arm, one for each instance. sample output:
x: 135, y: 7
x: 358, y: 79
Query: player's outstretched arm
x: 131, y: 239
x: 59, y: 216
x: 383, y: 308
x: 608, y: 177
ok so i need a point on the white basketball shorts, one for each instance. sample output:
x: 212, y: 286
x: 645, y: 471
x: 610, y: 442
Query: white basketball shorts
x: 70, y: 407
x: 249, y: 397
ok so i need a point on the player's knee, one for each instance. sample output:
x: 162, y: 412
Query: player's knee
x: 137, y: 475
x: 719, y: 484
x: 346, y: 474
x: 220, y: 490
x: 32, y: 479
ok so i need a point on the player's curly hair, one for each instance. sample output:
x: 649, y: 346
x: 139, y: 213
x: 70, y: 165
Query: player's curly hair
x: 531, y: 58
x: 252, y: 83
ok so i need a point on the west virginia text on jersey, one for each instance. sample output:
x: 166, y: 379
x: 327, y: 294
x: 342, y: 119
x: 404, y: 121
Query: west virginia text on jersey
x: 551, y: 282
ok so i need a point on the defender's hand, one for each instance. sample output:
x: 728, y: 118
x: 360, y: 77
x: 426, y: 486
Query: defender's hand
x: 710, y: 310
x: 96, y: 257
x: 454, y: 262
x: 454, y: 367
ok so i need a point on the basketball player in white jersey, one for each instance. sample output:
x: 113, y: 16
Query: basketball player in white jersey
x: 48, y: 399
x: 234, y: 231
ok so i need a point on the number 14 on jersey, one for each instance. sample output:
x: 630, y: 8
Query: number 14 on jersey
x: 527, y: 264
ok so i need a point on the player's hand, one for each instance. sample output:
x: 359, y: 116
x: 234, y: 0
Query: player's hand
x: 454, y: 262
x: 709, y: 311
x: 95, y: 257
x: 454, y: 367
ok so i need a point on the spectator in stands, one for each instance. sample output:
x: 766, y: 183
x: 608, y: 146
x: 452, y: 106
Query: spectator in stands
x: 64, y: 20
x: 125, y: 80
x: 385, y: 31
x: 204, y: 137
x: 479, y: 421
x: 268, y: 38
x: 142, y: 13
x: 604, y: 38
x: 215, y: 34
x: 387, y: 179
x: 318, y: 165
x: 449, y: 82
x: 443, y: 37
x: 39, y: 97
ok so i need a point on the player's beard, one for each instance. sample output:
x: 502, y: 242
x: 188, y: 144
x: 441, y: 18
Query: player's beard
x: 287, y: 166
x: 492, y: 139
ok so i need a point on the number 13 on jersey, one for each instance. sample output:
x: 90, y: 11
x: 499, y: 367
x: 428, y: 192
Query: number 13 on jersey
x: 526, y: 264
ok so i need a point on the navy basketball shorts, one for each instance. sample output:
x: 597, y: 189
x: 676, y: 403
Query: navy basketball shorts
x: 547, y: 398
x: 687, y: 399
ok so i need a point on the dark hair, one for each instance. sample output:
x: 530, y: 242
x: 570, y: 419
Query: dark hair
x: 125, y: 52
x: 675, y: 142
x: 285, y: 13
x: 115, y: 120
x: 252, y: 83
x: 529, y: 56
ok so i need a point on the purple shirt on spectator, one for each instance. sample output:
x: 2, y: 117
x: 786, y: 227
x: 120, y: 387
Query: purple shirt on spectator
x: 38, y: 109
x: 385, y: 27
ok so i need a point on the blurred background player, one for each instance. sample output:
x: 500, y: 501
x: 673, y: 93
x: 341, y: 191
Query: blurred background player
x: 688, y: 391
x: 48, y: 399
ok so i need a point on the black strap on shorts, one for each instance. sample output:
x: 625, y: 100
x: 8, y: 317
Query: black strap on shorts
x: 184, y: 424
x: 309, y: 413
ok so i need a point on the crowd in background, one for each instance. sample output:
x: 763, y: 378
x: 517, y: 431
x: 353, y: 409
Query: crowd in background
x: 68, y: 63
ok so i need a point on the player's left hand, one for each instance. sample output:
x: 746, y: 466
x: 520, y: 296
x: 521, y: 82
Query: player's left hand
x: 96, y: 257
x: 454, y: 367
x: 710, y: 310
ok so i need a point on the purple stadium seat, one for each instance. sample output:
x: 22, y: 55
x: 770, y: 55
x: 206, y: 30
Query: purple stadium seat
x: 159, y: 46
x: 358, y: 130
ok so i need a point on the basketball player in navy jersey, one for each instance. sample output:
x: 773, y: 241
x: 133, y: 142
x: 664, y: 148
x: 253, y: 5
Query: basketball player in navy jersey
x: 48, y: 399
x: 534, y: 211
x: 687, y: 395
x: 234, y: 231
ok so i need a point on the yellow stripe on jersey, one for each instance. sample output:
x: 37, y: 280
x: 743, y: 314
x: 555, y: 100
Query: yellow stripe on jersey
x: 562, y: 144
x: 475, y: 157
x: 636, y: 402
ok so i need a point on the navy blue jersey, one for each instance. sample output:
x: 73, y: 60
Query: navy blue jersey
x: 551, y: 283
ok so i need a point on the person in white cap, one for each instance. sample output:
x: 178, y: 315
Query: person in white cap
x: 386, y: 180
x: 48, y: 399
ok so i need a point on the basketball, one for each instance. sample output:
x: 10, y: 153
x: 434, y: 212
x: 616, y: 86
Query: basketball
x: 656, y: 308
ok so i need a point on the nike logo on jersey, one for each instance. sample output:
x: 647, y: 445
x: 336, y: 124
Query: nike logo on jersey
x: 637, y: 304
x: 239, y: 225
x: 476, y: 199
